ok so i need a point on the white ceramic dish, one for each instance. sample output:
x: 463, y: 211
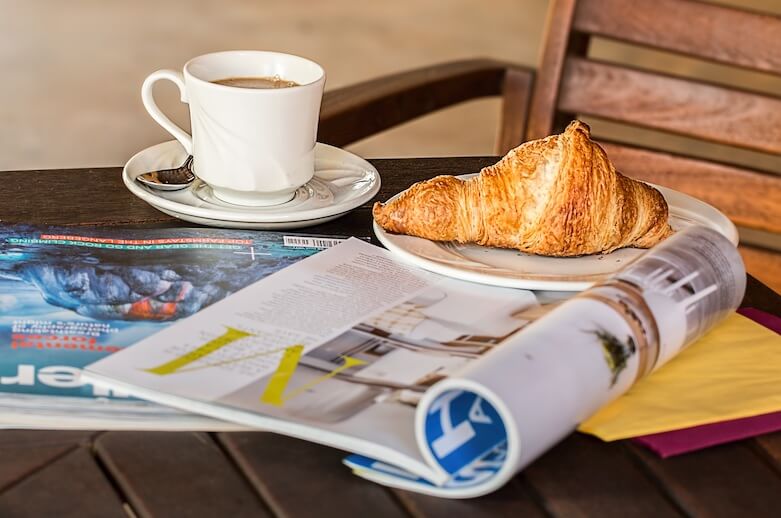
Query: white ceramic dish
x: 342, y: 182
x: 510, y: 268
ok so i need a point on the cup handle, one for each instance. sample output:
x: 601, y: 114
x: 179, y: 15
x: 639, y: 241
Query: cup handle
x: 148, y: 99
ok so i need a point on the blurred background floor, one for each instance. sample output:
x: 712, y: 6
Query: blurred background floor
x: 69, y: 94
x: 73, y: 70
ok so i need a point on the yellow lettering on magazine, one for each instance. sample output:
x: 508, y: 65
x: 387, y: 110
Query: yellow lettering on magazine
x: 228, y: 337
x: 275, y: 388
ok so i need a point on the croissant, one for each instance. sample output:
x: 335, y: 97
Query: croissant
x: 557, y: 196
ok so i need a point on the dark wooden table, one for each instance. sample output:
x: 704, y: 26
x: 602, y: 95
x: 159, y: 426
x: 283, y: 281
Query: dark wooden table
x: 103, y: 474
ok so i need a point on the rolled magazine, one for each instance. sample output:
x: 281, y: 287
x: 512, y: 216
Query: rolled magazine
x: 481, y: 427
x: 435, y: 385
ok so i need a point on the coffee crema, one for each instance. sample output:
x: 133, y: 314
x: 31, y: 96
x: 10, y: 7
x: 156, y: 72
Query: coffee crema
x: 256, y: 82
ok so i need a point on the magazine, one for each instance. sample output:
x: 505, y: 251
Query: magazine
x: 434, y: 385
x: 70, y: 296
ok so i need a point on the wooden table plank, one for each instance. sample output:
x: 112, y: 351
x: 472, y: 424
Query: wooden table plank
x: 79, y: 196
x: 58, y: 197
x: 299, y: 478
x: 71, y: 486
x: 514, y: 499
x: 22, y: 452
x: 726, y: 480
x: 761, y: 297
x: 770, y: 445
x: 177, y: 474
x: 583, y: 476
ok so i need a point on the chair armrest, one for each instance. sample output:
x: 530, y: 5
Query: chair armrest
x: 358, y: 111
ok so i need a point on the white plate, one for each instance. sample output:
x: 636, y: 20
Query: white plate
x: 513, y: 269
x: 342, y: 182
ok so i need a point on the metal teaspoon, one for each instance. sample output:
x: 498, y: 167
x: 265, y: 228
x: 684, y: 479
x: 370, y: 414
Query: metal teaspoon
x: 169, y: 179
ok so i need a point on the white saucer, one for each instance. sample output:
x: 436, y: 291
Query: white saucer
x: 342, y: 182
x: 513, y: 269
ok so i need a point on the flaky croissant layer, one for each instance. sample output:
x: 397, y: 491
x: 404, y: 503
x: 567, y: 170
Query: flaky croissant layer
x: 557, y: 196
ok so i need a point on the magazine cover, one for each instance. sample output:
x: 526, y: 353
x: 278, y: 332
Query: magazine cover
x: 70, y: 296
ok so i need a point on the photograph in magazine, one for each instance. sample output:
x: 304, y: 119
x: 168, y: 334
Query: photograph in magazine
x: 69, y: 297
x: 390, y: 358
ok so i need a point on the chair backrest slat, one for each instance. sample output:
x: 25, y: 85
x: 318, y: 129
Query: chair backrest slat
x: 758, y: 205
x: 687, y: 107
x: 556, y: 46
x: 570, y: 83
x: 712, y: 32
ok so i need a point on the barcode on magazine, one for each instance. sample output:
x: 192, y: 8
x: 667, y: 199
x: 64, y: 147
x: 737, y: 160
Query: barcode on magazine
x: 310, y: 242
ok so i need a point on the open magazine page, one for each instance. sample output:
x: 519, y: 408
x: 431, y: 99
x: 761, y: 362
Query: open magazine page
x: 70, y: 296
x: 337, y: 349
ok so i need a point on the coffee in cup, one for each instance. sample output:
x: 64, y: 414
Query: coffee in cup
x: 254, y: 118
x: 256, y: 82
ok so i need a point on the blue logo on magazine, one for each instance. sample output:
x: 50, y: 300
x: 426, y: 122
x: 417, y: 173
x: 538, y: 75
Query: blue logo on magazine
x: 466, y: 436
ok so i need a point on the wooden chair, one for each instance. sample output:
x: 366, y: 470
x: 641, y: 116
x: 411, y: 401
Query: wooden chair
x: 569, y: 83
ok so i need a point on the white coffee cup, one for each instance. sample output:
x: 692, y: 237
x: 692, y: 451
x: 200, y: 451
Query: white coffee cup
x: 252, y: 146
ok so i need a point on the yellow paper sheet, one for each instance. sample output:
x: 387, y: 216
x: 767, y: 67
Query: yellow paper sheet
x: 732, y: 372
